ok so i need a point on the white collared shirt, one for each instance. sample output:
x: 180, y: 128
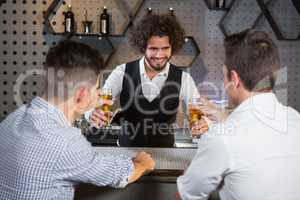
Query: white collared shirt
x: 255, y: 153
x: 151, y: 88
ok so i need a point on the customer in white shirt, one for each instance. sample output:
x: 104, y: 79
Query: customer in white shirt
x: 255, y: 153
x: 42, y: 155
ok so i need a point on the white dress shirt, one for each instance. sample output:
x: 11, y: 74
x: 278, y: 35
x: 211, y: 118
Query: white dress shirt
x: 151, y: 88
x: 253, y: 155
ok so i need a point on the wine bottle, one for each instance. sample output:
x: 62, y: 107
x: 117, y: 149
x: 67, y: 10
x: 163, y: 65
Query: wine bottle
x: 69, y: 20
x: 104, y: 22
x: 149, y: 11
x: 87, y: 25
x: 220, y: 3
x: 171, y: 11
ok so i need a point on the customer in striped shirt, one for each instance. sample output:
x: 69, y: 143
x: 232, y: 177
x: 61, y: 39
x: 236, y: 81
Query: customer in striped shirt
x: 42, y: 155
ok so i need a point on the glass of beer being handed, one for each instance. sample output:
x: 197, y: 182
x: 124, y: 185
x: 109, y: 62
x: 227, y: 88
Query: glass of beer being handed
x: 197, y: 117
x: 106, y: 94
x: 195, y: 112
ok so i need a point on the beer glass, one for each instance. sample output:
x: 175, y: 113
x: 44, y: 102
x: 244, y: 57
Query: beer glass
x: 195, y: 112
x: 106, y: 94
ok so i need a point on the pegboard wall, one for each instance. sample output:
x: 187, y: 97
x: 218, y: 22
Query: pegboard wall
x: 26, y: 36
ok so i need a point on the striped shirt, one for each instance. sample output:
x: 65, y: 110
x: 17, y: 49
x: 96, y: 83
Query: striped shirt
x: 44, y: 157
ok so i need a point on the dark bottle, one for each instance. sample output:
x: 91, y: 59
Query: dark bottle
x: 104, y: 22
x: 171, y: 11
x: 220, y: 3
x: 149, y: 11
x: 69, y: 20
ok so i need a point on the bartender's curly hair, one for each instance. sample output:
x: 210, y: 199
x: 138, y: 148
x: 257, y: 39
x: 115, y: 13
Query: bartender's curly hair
x: 157, y: 25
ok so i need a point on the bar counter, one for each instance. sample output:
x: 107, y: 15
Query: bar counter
x: 159, y: 184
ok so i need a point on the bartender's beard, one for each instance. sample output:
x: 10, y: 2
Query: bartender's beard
x: 156, y: 64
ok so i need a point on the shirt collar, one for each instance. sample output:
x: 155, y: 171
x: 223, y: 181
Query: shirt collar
x: 41, y: 106
x: 267, y: 109
x: 255, y: 101
x: 164, y: 72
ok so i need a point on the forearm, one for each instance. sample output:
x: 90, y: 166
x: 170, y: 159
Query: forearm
x: 177, y: 196
x: 116, y: 169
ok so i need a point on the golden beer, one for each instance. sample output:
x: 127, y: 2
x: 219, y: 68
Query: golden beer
x: 106, y: 94
x: 195, y: 114
x: 105, y: 107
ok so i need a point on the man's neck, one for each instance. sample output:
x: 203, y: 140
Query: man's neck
x: 64, y: 106
x: 248, y: 94
x: 151, y: 73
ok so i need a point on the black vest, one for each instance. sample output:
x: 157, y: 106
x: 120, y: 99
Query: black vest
x: 144, y: 123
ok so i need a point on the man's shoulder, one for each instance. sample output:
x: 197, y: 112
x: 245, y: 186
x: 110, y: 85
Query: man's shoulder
x: 67, y: 132
x: 133, y: 61
x: 122, y: 67
x: 177, y: 68
x: 293, y: 114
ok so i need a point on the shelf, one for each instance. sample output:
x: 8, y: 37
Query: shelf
x: 189, y: 52
x: 54, y: 19
x: 220, y: 9
x: 103, y: 45
x: 90, y: 38
x: 86, y: 35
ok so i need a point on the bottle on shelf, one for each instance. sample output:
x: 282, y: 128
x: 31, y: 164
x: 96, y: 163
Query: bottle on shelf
x: 149, y: 11
x: 87, y: 25
x: 69, y: 20
x: 171, y: 11
x: 220, y: 4
x: 104, y: 22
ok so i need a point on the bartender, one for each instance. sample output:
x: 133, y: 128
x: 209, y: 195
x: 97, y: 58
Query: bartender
x: 150, y: 88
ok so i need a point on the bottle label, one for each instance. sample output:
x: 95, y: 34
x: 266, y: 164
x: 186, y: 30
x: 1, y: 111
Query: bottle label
x: 87, y: 30
x: 103, y: 27
x: 68, y: 25
x: 221, y: 3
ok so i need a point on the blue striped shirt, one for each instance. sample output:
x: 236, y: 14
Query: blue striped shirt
x: 44, y: 157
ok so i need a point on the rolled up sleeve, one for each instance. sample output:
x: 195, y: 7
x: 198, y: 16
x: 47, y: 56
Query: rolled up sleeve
x: 81, y: 163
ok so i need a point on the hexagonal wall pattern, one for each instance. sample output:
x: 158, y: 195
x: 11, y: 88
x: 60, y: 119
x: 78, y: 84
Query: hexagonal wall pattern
x: 297, y: 5
x: 24, y: 42
x: 282, y: 17
x: 103, y: 45
x: 187, y: 54
x: 240, y: 17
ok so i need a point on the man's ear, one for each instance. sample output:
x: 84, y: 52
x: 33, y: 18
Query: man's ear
x: 235, y: 78
x: 82, y: 97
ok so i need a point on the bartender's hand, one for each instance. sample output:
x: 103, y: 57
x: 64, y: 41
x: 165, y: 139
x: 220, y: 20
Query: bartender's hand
x: 98, y: 117
x: 200, y: 127
x: 212, y: 112
x: 143, y: 164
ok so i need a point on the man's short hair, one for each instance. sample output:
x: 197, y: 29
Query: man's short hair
x: 254, y: 56
x: 72, y: 63
x: 157, y: 25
